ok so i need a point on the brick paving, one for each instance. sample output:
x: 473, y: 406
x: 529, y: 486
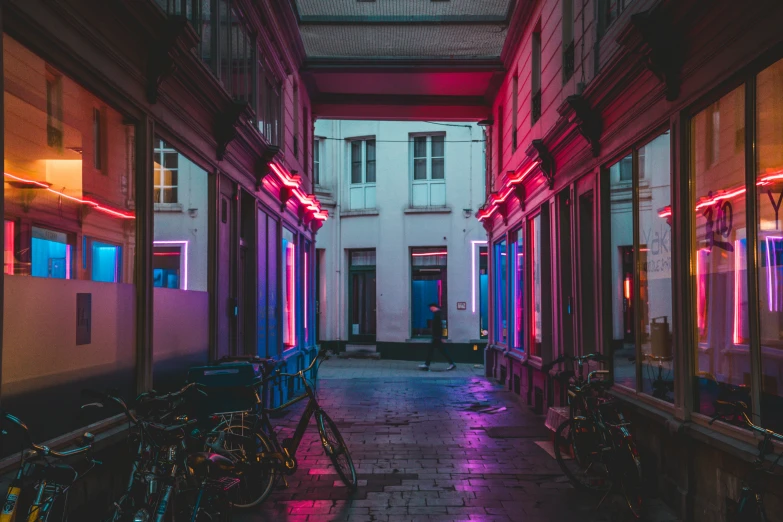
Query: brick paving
x: 429, y: 447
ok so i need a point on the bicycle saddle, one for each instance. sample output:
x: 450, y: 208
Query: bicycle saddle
x: 210, y: 464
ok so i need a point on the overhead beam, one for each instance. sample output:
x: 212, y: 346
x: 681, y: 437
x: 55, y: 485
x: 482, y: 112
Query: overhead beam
x: 336, y: 111
x: 402, y: 65
x: 397, y: 100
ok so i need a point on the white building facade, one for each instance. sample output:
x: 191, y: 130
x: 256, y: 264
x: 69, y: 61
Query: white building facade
x: 402, y: 197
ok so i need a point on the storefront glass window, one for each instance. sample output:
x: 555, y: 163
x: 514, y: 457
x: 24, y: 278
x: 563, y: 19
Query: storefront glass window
x: 68, y: 194
x: 501, y: 291
x: 622, y: 259
x: 289, y: 288
x: 518, y: 292
x: 536, y: 267
x: 428, y: 285
x: 483, y: 276
x: 717, y: 155
x: 769, y: 186
x: 179, y: 266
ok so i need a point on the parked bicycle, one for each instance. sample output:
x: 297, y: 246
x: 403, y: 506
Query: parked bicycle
x: 279, y: 457
x: 594, y: 446
x: 172, y: 477
x: 750, y: 505
x: 44, y: 476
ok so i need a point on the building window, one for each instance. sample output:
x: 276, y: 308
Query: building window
x: 169, y: 265
x: 288, y: 261
x: 166, y: 173
x: 105, y: 262
x: 535, y: 80
x: 517, y: 305
x: 608, y: 12
x: 427, y: 164
x: 362, y: 295
x: 483, y: 275
x: 641, y: 283
x: 568, y: 40
x: 428, y: 286
x: 500, y: 265
x: 317, y: 161
x: 769, y: 186
x: 362, y: 187
x: 500, y: 123
x: 537, y: 307
x: 52, y: 254
x: 268, y: 106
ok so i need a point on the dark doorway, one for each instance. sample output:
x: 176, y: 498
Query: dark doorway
x: 362, y: 298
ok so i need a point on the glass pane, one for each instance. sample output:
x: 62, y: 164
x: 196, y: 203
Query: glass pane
x: 288, y: 252
x: 437, y: 146
x: 428, y: 286
x: 363, y: 258
x: 429, y: 256
x: 437, y: 168
x: 722, y: 354
x: 420, y: 169
x: 170, y: 160
x: 536, y: 322
x: 370, y: 150
x: 483, y: 292
x: 370, y: 172
x: 420, y: 147
x: 770, y: 197
x: 356, y: 162
x: 518, y: 298
x: 501, y: 291
x: 621, y: 237
x: 655, y: 277
x: 51, y: 182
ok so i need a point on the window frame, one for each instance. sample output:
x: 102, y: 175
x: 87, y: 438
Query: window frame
x: 529, y: 225
x: 364, y: 186
x: 514, y: 236
x: 444, y: 272
x: 317, y: 142
x: 428, y: 180
x: 159, y: 151
x: 498, y: 287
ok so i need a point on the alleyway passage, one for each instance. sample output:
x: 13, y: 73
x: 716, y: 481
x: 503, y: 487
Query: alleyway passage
x: 429, y: 446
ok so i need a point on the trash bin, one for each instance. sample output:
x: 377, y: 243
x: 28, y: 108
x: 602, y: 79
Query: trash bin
x: 660, y: 337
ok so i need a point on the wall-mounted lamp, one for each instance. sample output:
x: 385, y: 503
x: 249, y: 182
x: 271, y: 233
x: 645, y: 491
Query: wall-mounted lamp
x: 467, y: 212
x: 486, y: 123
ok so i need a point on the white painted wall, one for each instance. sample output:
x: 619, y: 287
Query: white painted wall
x: 392, y: 231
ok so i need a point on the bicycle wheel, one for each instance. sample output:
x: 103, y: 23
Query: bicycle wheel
x: 335, y: 448
x: 580, y: 457
x: 258, y: 476
x: 631, y: 477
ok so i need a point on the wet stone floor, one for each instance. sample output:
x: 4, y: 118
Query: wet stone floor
x: 429, y: 446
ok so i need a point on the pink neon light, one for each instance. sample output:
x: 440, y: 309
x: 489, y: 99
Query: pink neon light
x: 473, y: 272
x: 532, y: 247
x: 701, y: 295
x: 294, y: 182
x: 737, y: 287
x: 166, y: 254
x: 495, y: 199
x: 67, y: 261
x: 306, y: 276
x: 183, y: 260
x: 8, y: 248
x: 428, y: 254
x: 97, y: 206
x: 290, y: 304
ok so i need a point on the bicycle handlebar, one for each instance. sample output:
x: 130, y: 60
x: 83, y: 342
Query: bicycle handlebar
x: 741, y: 409
x: 598, y: 357
x: 45, y: 450
x: 321, y: 353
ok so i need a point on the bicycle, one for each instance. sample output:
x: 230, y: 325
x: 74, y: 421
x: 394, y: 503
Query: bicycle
x: 50, y: 483
x: 750, y: 505
x: 166, y: 470
x: 602, y: 450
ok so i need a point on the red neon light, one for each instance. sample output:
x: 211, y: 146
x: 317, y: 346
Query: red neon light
x: 737, y: 288
x: 166, y: 254
x: 97, y: 206
x: 701, y: 290
x: 427, y: 254
x: 294, y: 182
x: 627, y: 288
x: 500, y: 197
x: 291, y: 304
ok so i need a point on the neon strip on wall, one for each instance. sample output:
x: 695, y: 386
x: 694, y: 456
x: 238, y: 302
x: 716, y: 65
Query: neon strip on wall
x: 97, y: 206
x: 773, y: 297
x: 473, y: 276
x: 183, y: 261
x: 291, y: 304
x: 701, y: 291
x: 428, y: 254
x: 737, y: 288
x: 306, y: 277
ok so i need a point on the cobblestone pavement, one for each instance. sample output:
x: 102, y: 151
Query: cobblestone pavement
x: 429, y: 446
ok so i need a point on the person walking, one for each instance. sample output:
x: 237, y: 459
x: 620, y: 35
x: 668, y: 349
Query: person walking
x: 437, y: 340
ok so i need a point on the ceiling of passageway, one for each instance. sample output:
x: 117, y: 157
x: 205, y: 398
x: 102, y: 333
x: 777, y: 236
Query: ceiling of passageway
x: 402, y: 59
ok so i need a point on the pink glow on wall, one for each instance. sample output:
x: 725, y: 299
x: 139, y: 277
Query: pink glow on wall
x: 67, y: 261
x: 95, y: 205
x: 737, y: 288
x: 473, y: 271
x: 183, y: 260
x: 428, y: 254
x: 8, y: 248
